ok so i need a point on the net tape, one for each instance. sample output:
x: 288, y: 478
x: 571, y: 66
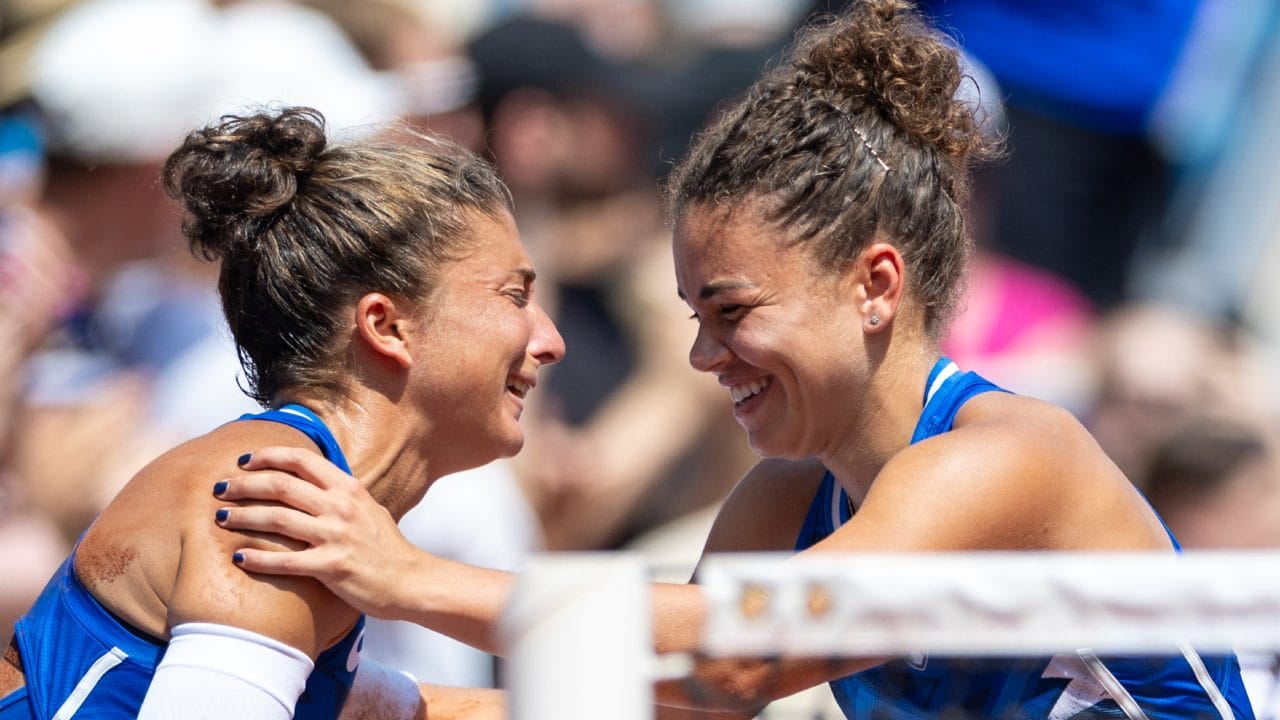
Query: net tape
x: 991, y: 603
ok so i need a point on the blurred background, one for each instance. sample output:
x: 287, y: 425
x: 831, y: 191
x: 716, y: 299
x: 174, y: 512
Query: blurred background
x: 1125, y: 266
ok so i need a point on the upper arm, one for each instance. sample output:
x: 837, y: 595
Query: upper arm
x: 208, y: 587
x: 766, y: 509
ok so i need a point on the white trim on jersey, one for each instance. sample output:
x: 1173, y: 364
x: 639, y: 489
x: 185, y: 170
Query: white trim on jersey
x: 89, y: 681
x: 837, y: 501
x: 1114, y: 688
x: 946, y: 372
x: 1210, y: 687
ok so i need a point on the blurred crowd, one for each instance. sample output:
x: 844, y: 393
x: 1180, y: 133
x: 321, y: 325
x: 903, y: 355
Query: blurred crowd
x: 1124, y: 263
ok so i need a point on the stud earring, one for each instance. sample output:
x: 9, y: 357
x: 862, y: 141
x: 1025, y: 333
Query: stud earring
x: 874, y: 320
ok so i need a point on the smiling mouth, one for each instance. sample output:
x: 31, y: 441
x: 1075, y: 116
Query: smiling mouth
x: 519, y: 388
x: 742, y: 393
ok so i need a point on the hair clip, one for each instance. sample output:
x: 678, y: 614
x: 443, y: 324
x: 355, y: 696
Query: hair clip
x: 870, y: 149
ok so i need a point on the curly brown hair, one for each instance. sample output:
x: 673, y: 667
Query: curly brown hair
x: 304, y: 228
x: 858, y: 132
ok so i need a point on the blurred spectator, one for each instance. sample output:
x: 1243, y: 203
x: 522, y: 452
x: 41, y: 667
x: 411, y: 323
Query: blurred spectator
x: 35, y: 274
x: 624, y: 30
x: 113, y: 340
x: 715, y: 50
x: 398, y: 40
x: 1217, y: 120
x: 568, y: 130
x: 1021, y: 326
x: 1158, y: 366
x: 1216, y: 483
x: 1084, y: 186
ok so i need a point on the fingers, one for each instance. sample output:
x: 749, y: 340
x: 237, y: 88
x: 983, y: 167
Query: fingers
x: 275, y: 563
x: 276, y: 486
x: 274, y: 520
x: 306, y: 464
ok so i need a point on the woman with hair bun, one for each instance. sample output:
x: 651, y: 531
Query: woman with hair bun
x: 384, y: 311
x: 819, y: 240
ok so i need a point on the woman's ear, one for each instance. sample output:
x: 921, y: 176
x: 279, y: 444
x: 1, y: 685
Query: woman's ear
x: 383, y: 325
x: 880, y: 272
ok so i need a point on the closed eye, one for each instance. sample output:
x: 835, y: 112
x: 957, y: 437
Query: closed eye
x: 730, y: 311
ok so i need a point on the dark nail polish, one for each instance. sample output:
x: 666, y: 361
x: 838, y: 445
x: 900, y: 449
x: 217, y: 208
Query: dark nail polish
x: 237, y: 558
x: 221, y: 515
x: 244, y: 459
x: 219, y: 487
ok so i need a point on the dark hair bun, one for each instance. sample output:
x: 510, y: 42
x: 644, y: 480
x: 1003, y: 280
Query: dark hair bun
x: 233, y: 175
x: 883, y: 57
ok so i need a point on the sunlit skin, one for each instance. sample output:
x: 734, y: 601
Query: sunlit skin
x: 435, y: 386
x: 769, y: 322
x: 819, y: 386
x: 488, y: 299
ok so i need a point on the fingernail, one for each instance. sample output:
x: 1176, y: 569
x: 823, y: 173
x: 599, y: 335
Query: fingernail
x: 221, y: 515
x: 237, y: 558
x: 219, y: 487
x: 244, y: 459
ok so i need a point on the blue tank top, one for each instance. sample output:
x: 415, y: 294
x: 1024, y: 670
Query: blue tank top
x: 81, y: 661
x: 1070, y: 685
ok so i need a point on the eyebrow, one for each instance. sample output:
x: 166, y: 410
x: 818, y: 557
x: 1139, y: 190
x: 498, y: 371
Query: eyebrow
x: 527, y: 274
x: 712, y: 289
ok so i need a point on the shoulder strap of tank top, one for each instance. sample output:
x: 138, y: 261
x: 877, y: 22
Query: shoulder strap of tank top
x: 310, y: 424
x: 946, y: 390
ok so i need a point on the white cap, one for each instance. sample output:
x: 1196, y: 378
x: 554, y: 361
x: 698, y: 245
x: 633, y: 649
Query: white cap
x: 125, y: 80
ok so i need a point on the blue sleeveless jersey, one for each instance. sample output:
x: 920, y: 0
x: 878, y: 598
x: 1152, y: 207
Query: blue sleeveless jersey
x: 81, y: 662
x: 1072, y: 685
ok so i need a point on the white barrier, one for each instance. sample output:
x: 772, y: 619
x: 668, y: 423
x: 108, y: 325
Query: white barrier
x: 991, y: 603
x: 579, y: 639
x: 579, y: 628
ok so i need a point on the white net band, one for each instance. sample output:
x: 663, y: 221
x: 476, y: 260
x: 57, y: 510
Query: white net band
x: 991, y: 603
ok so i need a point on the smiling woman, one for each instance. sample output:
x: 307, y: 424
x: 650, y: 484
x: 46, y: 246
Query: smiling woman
x: 820, y: 241
x: 385, y: 314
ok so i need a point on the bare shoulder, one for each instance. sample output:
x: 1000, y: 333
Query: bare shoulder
x: 767, y: 507
x: 209, y: 587
x: 157, y: 559
x: 1014, y: 473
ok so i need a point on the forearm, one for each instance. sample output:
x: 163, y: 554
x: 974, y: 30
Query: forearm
x: 678, y: 614
x: 453, y: 703
x: 462, y: 601
x: 729, y: 685
x: 746, y: 685
x: 667, y: 712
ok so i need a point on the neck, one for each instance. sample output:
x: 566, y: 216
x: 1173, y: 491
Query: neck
x: 886, y: 419
x: 384, y: 455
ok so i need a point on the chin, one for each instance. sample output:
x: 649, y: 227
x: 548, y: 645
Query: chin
x: 768, y: 447
x: 511, y: 446
x: 763, y: 448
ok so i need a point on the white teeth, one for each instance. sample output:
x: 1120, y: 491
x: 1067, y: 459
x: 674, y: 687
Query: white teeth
x: 518, y: 387
x: 744, y: 391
